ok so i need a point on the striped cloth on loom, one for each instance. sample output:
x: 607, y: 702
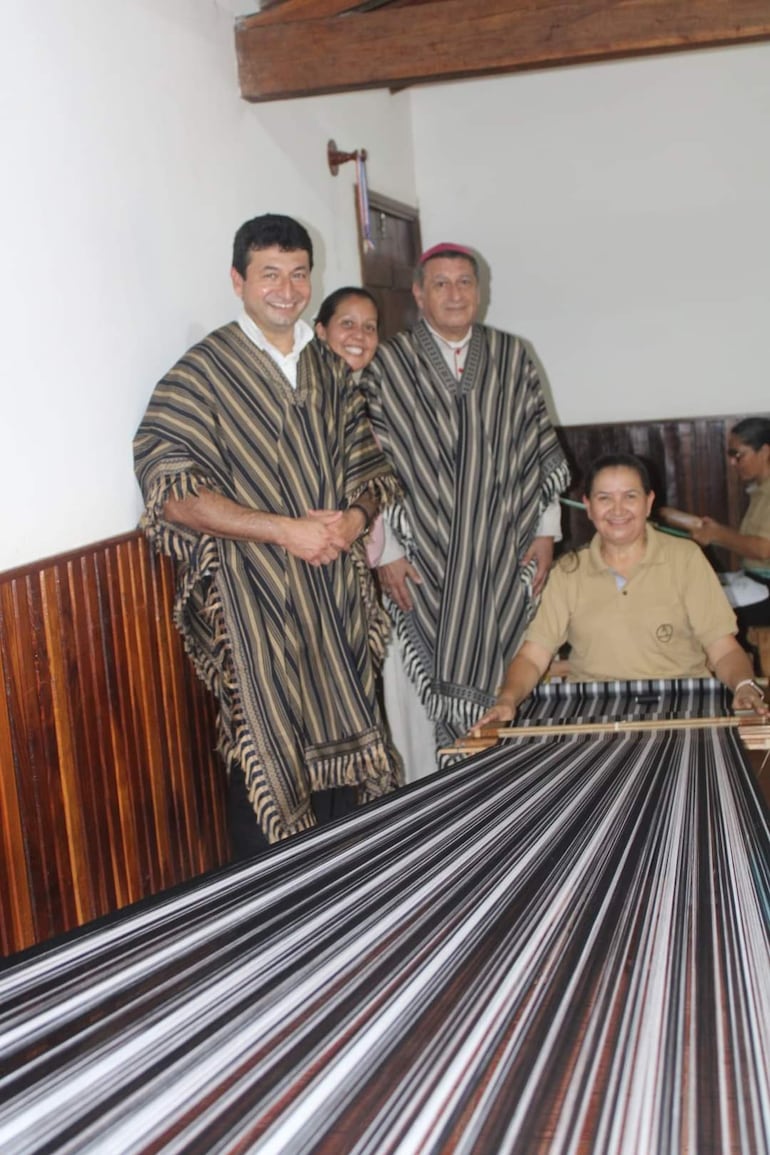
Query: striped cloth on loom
x: 558, y: 945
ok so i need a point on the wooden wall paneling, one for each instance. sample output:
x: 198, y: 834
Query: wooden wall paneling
x: 39, y: 779
x: 176, y: 769
x: 94, y: 760
x: 132, y: 794
x: 197, y: 773
x: 149, y: 719
x: 688, y: 461
x: 131, y: 858
x: 97, y: 663
x: 148, y: 732
x: 17, y: 922
x: 110, y: 786
x: 75, y: 868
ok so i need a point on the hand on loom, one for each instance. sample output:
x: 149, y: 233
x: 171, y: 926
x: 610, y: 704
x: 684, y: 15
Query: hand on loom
x: 521, y: 677
x: 732, y: 666
x: 749, y: 696
x: 503, y: 711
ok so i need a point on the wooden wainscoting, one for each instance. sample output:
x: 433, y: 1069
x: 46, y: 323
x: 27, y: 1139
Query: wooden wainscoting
x: 687, y: 459
x: 110, y: 787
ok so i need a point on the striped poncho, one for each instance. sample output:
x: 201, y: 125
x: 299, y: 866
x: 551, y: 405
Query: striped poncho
x: 288, y: 648
x: 479, y: 462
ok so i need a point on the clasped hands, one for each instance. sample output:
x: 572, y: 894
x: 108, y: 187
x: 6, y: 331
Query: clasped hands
x: 322, y: 534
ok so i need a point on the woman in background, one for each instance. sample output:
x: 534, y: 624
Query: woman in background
x: 749, y: 453
x: 348, y: 321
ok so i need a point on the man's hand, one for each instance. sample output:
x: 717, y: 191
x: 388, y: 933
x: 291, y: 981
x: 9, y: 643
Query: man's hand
x: 318, y: 538
x: 542, y: 552
x: 345, y: 526
x: 393, y: 581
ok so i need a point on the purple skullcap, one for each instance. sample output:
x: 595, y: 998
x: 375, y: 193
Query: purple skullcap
x: 446, y: 247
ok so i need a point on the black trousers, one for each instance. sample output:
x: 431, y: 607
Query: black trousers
x: 246, y: 837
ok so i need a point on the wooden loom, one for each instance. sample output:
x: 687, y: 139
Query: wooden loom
x: 753, y: 731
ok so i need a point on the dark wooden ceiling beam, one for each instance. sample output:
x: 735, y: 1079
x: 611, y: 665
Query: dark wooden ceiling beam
x: 289, y: 11
x: 337, y: 51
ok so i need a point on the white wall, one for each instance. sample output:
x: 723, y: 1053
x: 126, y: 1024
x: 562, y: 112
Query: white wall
x: 128, y: 161
x: 625, y: 211
x: 623, y: 207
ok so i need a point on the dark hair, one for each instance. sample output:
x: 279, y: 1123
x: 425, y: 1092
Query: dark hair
x: 266, y: 232
x: 753, y: 431
x: 331, y: 304
x: 454, y: 255
x: 617, y: 461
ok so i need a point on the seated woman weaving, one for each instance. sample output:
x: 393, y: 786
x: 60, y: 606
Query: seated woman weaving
x: 749, y: 453
x: 634, y: 604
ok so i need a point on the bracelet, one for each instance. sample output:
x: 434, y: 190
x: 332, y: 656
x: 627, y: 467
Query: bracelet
x: 368, y: 517
x: 749, y: 682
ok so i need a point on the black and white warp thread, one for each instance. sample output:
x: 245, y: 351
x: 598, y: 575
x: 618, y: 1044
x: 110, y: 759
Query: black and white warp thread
x: 559, y: 945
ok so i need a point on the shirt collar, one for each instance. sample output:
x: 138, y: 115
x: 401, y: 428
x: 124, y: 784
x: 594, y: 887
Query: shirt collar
x: 303, y: 335
x: 652, y: 552
x: 452, y: 345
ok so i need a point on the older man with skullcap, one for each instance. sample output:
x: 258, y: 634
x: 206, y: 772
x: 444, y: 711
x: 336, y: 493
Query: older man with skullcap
x: 458, y: 410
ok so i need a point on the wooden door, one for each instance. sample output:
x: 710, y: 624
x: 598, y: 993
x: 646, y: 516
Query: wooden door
x: 387, y: 271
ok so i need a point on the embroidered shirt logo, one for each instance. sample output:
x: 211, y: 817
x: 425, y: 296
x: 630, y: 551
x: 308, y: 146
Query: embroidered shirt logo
x: 665, y: 632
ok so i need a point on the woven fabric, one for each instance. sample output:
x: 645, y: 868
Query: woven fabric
x: 558, y: 945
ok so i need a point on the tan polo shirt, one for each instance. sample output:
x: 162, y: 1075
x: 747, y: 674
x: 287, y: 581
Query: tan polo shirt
x: 656, y: 626
x: 756, y: 523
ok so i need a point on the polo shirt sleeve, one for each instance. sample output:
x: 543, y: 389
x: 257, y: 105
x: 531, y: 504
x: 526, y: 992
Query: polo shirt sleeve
x: 756, y: 520
x: 711, y: 615
x: 550, y: 623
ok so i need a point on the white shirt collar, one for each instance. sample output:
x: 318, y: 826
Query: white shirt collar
x: 286, y: 362
x: 453, y: 352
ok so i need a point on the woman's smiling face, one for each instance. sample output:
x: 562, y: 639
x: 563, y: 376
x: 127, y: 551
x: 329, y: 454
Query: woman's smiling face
x: 352, y: 331
x: 618, y: 505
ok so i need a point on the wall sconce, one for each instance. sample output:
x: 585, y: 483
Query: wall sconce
x: 336, y: 158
